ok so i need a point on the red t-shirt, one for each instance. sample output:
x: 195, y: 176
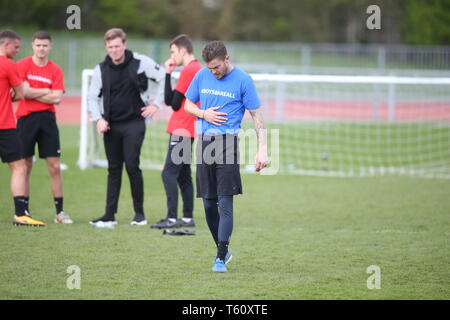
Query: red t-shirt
x: 49, y: 76
x: 9, y: 77
x: 182, y: 123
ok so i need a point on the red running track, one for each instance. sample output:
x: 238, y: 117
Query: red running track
x: 68, y: 111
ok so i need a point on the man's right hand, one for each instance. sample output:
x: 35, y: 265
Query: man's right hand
x: 169, y: 65
x: 102, y: 126
x: 214, y: 117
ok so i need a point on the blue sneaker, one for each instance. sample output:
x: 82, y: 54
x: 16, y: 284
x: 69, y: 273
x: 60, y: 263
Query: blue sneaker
x: 219, y: 266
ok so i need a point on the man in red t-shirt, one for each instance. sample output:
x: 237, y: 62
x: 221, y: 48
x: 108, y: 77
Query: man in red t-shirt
x: 181, y: 126
x: 11, y: 150
x: 36, y: 121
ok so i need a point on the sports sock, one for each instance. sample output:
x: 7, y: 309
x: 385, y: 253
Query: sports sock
x: 20, y: 205
x: 187, y: 220
x: 222, y: 249
x: 27, y: 203
x: 58, y: 205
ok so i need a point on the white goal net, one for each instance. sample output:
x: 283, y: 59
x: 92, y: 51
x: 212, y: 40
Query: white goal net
x: 345, y: 126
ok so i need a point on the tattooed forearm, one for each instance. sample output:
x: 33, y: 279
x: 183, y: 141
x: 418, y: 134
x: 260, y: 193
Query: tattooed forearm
x: 259, y: 126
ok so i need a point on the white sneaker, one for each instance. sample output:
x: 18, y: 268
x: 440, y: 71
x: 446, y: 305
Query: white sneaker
x: 63, y: 218
x: 104, y: 224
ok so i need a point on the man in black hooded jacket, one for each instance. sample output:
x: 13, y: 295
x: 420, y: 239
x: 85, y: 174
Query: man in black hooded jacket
x: 120, y: 83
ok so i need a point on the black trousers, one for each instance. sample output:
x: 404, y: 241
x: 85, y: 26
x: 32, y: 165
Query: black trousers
x: 177, y: 173
x: 123, y: 144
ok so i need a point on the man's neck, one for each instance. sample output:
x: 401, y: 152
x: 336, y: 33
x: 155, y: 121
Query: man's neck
x: 120, y: 61
x: 188, y: 59
x: 40, y: 61
x: 229, y: 68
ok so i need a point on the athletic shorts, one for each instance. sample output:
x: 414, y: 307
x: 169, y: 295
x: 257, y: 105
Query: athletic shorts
x: 218, y: 165
x: 40, y: 128
x: 11, y: 148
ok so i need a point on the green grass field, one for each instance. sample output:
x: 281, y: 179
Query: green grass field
x: 295, y: 237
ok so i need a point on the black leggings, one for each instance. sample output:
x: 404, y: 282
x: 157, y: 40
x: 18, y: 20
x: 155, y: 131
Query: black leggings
x: 219, y: 217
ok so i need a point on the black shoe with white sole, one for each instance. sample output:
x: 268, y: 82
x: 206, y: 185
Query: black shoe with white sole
x: 110, y: 220
x: 165, y: 224
x: 139, y: 220
x: 183, y: 224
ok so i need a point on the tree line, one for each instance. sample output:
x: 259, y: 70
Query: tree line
x: 421, y: 22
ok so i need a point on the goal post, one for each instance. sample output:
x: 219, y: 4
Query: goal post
x: 328, y: 125
x: 89, y: 150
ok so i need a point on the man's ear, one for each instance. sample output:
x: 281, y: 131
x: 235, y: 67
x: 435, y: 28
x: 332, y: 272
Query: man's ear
x: 182, y: 51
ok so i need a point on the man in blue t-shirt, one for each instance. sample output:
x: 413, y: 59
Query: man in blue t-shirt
x: 224, y: 93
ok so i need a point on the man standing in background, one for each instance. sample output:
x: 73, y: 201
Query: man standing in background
x: 181, y: 127
x: 11, y: 149
x: 43, y: 89
x: 121, y: 80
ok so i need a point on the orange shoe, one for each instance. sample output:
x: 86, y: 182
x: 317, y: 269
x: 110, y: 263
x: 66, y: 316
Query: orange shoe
x: 26, y: 220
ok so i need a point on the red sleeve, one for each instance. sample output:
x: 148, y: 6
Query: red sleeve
x: 21, y: 67
x: 13, y: 75
x: 58, y: 79
x: 186, y: 76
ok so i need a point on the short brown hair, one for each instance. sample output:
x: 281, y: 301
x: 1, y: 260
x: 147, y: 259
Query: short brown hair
x: 183, y: 41
x: 41, y: 35
x: 114, y: 33
x: 214, y: 49
x: 8, y: 34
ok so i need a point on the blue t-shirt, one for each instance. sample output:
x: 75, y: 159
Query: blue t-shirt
x: 233, y: 93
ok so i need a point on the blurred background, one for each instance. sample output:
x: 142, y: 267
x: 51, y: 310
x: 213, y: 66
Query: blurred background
x: 289, y: 36
x: 394, y: 123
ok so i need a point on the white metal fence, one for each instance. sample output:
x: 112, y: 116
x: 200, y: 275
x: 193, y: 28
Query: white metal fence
x: 74, y: 55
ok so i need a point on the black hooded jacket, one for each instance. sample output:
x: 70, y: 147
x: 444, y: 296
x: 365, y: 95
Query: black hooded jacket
x: 121, y: 89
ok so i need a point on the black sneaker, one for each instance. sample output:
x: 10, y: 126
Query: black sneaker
x: 179, y: 232
x: 183, y: 224
x: 139, y: 220
x: 105, y: 218
x: 164, y: 223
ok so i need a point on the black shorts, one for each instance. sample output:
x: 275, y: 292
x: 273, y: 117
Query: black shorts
x: 40, y: 128
x: 11, y: 148
x: 218, y: 168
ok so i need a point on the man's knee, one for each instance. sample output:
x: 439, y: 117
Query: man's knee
x: 169, y: 174
x: 54, y: 167
x: 164, y: 175
x: 18, y: 167
x: 133, y: 168
x: 114, y: 168
x: 28, y: 164
x: 210, y: 204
